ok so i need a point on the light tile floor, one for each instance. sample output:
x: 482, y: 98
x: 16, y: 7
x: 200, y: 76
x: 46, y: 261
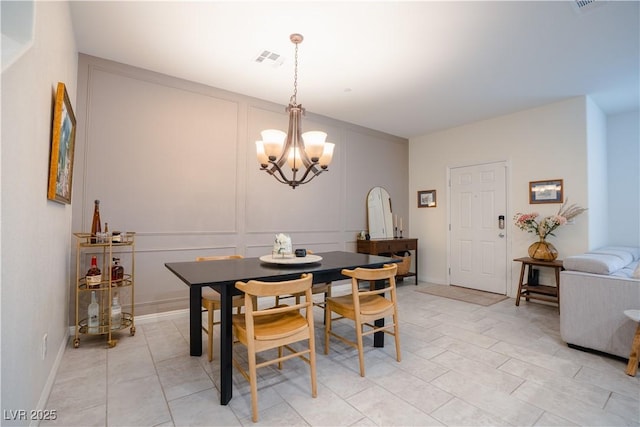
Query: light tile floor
x: 462, y: 364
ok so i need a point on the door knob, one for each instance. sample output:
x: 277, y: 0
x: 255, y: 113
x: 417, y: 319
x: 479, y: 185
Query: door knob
x: 501, y: 235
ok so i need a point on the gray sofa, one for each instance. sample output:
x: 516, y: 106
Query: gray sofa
x: 595, y: 290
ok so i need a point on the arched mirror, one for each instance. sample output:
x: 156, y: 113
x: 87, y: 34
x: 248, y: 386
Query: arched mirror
x: 379, y: 217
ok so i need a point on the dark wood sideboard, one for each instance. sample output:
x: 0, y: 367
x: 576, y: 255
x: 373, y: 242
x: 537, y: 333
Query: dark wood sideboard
x: 386, y: 247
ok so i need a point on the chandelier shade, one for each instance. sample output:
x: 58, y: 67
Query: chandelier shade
x: 307, y: 154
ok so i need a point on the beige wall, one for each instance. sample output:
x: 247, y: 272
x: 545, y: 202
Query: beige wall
x: 35, y: 232
x: 175, y: 162
x: 542, y: 143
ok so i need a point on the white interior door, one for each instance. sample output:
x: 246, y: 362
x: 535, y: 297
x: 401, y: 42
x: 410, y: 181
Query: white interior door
x: 478, y: 257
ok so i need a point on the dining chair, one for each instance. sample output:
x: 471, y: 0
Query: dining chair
x: 211, y: 302
x: 261, y: 329
x: 364, y: 306
x: 325, y: 289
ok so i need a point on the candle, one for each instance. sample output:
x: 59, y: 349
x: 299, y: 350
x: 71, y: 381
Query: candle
x: 395, y: 220
x: 400, y: 223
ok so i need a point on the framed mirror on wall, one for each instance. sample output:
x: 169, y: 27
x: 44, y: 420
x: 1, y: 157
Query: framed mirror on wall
x: 379, y: 216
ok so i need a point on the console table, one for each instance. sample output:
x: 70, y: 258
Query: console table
x: 539, y: 292
x: 390, y: 246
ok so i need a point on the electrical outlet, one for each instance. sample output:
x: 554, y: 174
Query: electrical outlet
x: 44, y: 346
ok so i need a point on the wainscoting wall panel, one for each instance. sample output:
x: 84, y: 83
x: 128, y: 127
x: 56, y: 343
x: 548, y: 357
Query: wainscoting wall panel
x: 175, y: 161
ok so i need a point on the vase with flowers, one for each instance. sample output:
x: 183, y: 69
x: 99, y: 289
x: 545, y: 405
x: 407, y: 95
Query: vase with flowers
x: 529, y: 222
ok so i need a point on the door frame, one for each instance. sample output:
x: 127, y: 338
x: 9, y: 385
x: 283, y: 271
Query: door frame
x: 507, y: 229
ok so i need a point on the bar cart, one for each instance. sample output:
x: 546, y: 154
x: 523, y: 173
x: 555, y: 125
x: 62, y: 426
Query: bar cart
x: 105, y: 248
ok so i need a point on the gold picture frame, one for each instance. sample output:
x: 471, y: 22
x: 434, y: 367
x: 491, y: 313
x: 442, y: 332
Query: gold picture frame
x: 427, y: 199
x: 62, y: 148
x: 550, y: 191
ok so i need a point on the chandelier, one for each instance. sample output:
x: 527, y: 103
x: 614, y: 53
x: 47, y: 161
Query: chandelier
x: 307, y: 154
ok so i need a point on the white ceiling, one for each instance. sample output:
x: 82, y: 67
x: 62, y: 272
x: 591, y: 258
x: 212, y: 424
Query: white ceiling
x: 405, y: 68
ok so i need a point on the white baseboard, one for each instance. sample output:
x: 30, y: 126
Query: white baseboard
x: 166, y: 315
x: 48, y: 386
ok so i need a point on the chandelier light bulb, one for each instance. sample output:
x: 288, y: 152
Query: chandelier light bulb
x: 293, y: 159
x: 273, y: 141
x: 327, y: 155
x: 263, y: 159
x: 314, y: 144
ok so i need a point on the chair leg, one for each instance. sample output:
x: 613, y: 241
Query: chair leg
x: 312, y: 366
x: 396, y: 332
x: 326, y: 295
x: 253, y: 382
x: 327, y: 327
x: 360, y: 348
x: 210, y: 334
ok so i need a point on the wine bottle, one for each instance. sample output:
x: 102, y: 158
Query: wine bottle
x: 117, y: 272
x: 116, y: 313
x: 96, y: 228
x: 93, y: 320
x: 94, y: 275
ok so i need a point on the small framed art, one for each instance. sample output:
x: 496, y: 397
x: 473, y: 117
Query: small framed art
x: 427, y: 199
x: 550, y: 191
x: 62, y: 148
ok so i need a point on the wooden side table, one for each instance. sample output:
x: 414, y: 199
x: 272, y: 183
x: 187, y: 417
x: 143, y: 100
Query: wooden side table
x: 388, y: 247
x: 538, y: 292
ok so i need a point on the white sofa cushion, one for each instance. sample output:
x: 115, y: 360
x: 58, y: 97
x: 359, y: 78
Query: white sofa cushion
x: 634, y: 252
x: 627, y: 271
x: 594, y: 263
x: 627, y: 255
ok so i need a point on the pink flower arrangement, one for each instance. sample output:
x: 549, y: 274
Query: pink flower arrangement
x: 545, y: 226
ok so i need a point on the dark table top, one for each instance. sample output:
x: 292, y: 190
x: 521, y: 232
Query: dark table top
x: 227, y: 272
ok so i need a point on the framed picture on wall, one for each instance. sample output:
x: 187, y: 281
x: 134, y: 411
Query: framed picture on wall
x: 427, y: 199
x: 62, y: 148
x: 550, y: 191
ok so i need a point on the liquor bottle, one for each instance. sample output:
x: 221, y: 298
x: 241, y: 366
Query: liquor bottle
x: 95, y: 225
x: 106, y: 236
x: 117, y: 272
x: 94, y: 275
x: 93, y: 320
x: 116, y: 313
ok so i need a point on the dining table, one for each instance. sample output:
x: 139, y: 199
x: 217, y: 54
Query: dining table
x: 222, y: 275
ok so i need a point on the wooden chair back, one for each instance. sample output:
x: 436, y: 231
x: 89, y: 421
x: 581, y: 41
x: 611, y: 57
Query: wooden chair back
x: 365, y: 307
x: 385, y: 276
x: 261, y: 329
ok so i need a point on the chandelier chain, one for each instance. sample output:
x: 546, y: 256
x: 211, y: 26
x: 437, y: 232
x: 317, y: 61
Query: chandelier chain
x: 294, y: 97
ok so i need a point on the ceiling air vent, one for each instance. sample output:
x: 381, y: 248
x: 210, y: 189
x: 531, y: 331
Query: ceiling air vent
x: 586, y: 5
x: 271, y: 58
